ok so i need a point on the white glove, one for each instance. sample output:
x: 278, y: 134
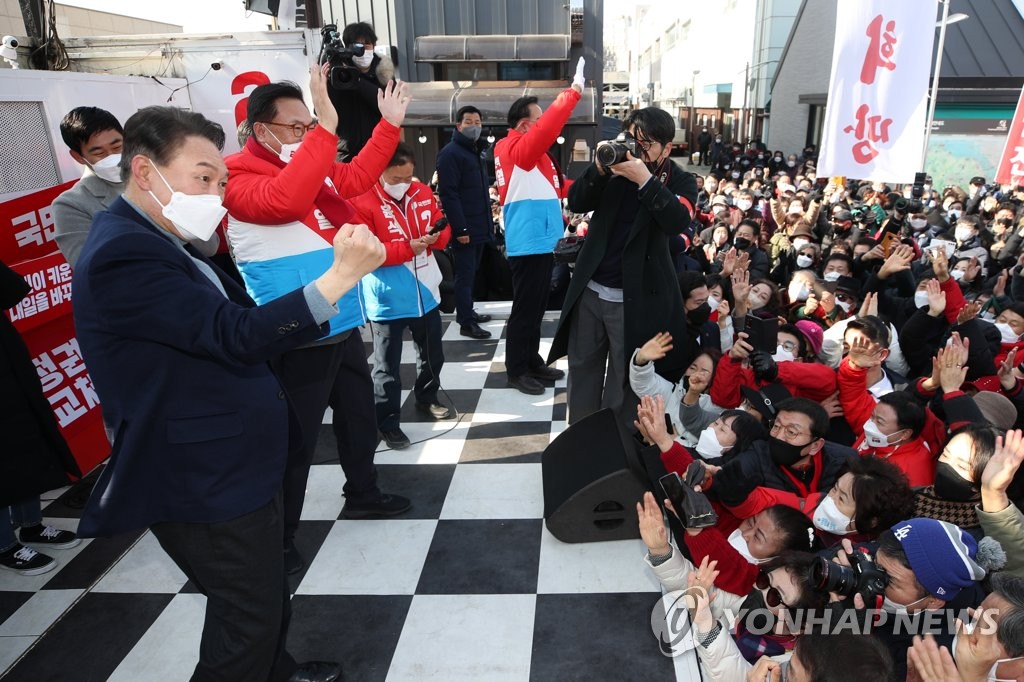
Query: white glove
x: 578, y: 78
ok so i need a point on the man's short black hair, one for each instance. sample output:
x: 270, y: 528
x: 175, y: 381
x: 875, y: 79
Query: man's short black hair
x: 840, y: 256
x: 403, y: 155
x: 655, y: 124
x: 353, y: 32
x: 467, y: 110
x: 262, y: 104
x: 81, y: 123
x: 844, y: 657
x: 520, y: 109
x: 158, y: 132
x: 873, y: 328
x: 909, y: 413
x: 814, y: 411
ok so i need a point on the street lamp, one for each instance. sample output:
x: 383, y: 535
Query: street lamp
x: 947, y: 19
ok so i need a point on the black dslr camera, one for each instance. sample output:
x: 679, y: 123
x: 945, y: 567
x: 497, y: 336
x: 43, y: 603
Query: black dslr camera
x: 863, y: 576
x: 611, y: 152
x: 343, y: 76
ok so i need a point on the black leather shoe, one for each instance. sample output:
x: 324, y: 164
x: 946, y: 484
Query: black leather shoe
x: 317, y: 671
x: 546, y: 374
x: 293, y: 561
x: 478, y: 318
x: 526, y: 384
x: 474, y: 331
x: 435, y: 410
x: 395, y: 438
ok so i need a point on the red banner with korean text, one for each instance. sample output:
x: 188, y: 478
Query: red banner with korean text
x: 877, y: 97
x: 1011, y: 164
x: 43, y: 318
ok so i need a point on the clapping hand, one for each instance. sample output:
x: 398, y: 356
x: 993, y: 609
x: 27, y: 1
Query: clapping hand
x: 928, y: 662
x: 1000, y: 471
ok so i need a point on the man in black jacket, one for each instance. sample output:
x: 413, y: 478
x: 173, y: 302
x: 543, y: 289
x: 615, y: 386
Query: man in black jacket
x: 357, y: 105
x: 624, y: 288
x: 462, y: 184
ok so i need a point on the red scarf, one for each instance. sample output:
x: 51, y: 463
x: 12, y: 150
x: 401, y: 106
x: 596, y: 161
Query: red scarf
x: 334, y: 207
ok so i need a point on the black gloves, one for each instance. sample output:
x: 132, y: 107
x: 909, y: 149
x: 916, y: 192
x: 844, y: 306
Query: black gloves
x: 764, y: 366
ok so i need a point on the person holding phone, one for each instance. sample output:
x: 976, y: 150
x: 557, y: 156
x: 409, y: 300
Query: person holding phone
x: 403, y: 293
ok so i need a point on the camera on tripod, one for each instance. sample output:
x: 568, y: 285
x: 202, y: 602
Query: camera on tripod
x: 343, y: 75
x: 611, y: 152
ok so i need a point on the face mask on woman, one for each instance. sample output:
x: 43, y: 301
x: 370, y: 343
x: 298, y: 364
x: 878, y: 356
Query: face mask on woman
x: 740, y: 545
x: 708, y: 445
x: 804, y: 261
x: 829, y: 518
x: 1006, y: 333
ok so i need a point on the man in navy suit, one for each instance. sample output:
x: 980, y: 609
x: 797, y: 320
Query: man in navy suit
x: 178, y: 355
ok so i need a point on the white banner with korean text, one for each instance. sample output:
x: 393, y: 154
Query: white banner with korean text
x: 877, y: 96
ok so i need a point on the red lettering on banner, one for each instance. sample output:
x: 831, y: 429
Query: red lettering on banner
x: 881, y: 47
x: 869, y: 130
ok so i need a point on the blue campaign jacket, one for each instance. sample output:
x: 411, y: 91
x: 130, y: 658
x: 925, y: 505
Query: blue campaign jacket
x: 201, y: 423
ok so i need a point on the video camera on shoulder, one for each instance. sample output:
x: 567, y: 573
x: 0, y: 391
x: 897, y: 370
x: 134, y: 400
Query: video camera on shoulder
x: 863, y: 576
x: 611, y: 152
x: 343, y: 75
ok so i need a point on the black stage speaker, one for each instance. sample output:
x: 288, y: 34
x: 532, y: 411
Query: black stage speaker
x: 590, y: 486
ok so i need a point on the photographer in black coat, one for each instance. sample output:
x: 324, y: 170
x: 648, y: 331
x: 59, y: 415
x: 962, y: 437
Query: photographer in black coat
x: 357, y: 104
x: 624, y: 288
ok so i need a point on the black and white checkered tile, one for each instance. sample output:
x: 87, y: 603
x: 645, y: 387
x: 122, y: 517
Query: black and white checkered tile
x: 466, y: 586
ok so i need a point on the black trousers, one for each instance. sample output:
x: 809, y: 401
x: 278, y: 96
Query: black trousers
x: 337, y: 375
x: 531, y: 282
x: 239, y: 566
x: 467, y: 261
x: 387, y: 361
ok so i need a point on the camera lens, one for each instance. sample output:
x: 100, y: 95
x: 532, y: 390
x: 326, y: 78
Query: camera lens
x: 827, y: 576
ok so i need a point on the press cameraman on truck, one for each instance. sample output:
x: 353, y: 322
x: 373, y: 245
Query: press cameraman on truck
x: 624, y: 289
x: 931, y: 571
x: 356, y: 100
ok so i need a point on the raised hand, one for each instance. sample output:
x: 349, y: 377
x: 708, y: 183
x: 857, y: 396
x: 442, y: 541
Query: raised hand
x: 928, y: 662
x: 729, y: 263
x: 973, y: 269
x: 656, y: 348
x: 357, y: 252
x: 936, y: 298
x: 651, y: 415
x: 393, y: 101
x: 811, y: 304
x: 723, y: 314
x: 833, y: 406
x: 740, y: 288
x: 1007, y: 379
x: 1000, y: 470
x: 577, y: 80
x: 898, y: 261
x: 322, y: 105
x: 700, y: 585
x: 865, y: 353
x: 870, y: 305
x: 652, y: 526
x: 968, y: 312
x: 1000, y: 288
x: 940, y: 264
x: 953, y: 371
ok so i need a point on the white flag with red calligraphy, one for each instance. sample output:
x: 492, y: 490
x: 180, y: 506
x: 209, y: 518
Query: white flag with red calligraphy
x: 877, y: 97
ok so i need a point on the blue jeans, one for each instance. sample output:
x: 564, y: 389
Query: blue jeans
x: 387, y: 360
x: 23, y: 514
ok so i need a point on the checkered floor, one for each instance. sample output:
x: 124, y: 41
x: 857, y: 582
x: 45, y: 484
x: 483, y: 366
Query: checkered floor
x: 466, y: 586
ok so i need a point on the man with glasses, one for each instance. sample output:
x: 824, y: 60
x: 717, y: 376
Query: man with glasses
x: 286, y: 201
x: 624, y: 288
x: 791, y: 466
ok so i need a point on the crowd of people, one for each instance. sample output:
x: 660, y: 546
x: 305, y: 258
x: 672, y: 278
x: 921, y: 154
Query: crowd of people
x: 834, y: 362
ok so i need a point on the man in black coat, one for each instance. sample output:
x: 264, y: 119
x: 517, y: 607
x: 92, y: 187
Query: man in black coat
x: 358, y: 112
x: 462, y: 184
x: 624, y: 289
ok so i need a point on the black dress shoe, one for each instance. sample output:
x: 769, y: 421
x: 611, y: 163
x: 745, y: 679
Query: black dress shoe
x: 478, y: 318
x: 395, y: 438
x: 526, y: 384
x: 381, y: 508
x: 474, y: 331
x: 546, y: 374
x: 317, y: 671
x: 435, y: 410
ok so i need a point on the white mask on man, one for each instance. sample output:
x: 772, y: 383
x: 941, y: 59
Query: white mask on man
x: 364, y: 61
x: 920, y: 299
x: 397, y: 191
x: 708, y: 445
x: 108, y: 168
x: 1007, y: 333
x: 831, y: 276
x: 195, y: 216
